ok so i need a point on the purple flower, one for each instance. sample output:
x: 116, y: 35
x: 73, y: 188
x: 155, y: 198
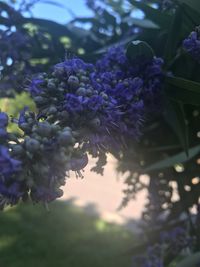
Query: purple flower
x: 45, y: 194
x: 71, y: 66
x: 78, y: 163
x: 114, y: 55
x: 8, y: 165
x: 35, y: 86
x: 3, y: 120
x: 22, y: 114
x: 192, y: 44
x: 10, y: 194
x: 95, y: 103
x: 74, y: 103
x: 97, y: 107
x: 3, y: 134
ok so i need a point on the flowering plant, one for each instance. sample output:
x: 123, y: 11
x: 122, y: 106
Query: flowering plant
x: 138, y: 99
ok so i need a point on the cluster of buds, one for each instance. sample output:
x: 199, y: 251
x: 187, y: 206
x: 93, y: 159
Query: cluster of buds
x: 105, y: 102
x: 171, y: 244
x: 192, y: 44
x: 36, y: 164
x: 82, y: 109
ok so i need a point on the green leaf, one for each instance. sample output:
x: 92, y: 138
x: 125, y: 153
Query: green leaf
x: 174, y: 36
x: 192, y: 15
x: 183, y: 90
x: 160, y: 18
x: 176, y: 119
x: 185, y: 84
x: 176, y: 159
x: 190, y: 261
x: 139, y: 48
x: 194, y: 4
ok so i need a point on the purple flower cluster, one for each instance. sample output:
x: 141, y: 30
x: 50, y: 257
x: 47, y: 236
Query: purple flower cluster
x: 153, y: 258
x: 10, y: 190
x: 82, y: 108
x: 69, y: 96
x: 111, y: 98
x: 177, y: 240
x: 170, y: 245
x: 135, y: 86
x: 8, y: 165
x: 104, y: 104
x: 35, y: 166
x: 3, y: 125
x: 192, y: 44
x: 46, y: 151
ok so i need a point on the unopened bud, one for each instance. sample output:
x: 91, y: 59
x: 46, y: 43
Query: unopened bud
x: 39, y: 100
x: 44, y: 129
x: 81, y: 91
x: 73, y: 81
x: 65, y: 138
x: 95, y: 122
x: 32, y: 145
x: 52, y: 110
x: 17, y: 150
x: 24, y: 126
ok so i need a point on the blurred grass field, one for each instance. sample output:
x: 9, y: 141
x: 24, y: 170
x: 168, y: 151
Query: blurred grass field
x: 63, y: 237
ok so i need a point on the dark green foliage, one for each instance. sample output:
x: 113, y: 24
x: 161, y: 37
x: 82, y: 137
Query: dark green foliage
x: 64, y: 236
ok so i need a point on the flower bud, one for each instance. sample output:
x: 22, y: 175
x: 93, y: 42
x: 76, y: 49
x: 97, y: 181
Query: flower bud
x: 59, y: 71
x: 51, y: 84
x: 30, y: 120
x: 25, y: 126
x: 65, y: 138
x: 64, y: 114
x: 61, y: 181
x: 67, y: 129
x: 52, y: 110
x: 95, y: 123
x: 39, y: 100
x: 84, y: 79
x: 17, y: 150
x: 32, y: 145
x: 73, y: 81
x: 59, y: 192
x: 105, y: 96
x: 89, y: 92
x: 44, y: 129
x: 55, y: 128
x: 61, y: 89
x: 81, y: 91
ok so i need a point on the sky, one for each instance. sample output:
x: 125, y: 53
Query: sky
x: 61, y: 14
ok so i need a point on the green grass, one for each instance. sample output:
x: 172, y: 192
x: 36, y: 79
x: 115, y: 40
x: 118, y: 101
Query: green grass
x: 64, y: 237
